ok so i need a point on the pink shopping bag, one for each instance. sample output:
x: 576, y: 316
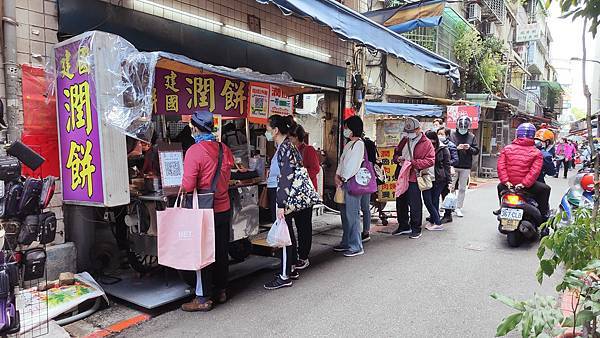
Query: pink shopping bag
x: 186, y: 237
x: 403, y: 176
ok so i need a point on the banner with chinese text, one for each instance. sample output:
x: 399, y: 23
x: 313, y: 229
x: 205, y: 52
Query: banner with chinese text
x: 178, y: 93
x: 258, y: 111
x: 278, y: 103
x: 386, y: 191
x: 453, y: 113
x: 78, y: 124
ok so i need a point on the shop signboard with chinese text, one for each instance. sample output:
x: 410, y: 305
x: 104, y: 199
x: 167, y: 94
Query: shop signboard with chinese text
x: 78, y: 124
x: 179, y: 93
x: 386, y: 191
x: 93, y: 157
x: 453, y: 113
x: 279, y: 104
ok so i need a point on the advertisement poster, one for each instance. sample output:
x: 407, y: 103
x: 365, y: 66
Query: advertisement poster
x: 177, y: 93
x: 78, y: 124
x: 278, y: 103
x: 453, y: 113
x: 389, y: 132
x: 258, y: 104
x: 217, y: 124
x: 386, y: 191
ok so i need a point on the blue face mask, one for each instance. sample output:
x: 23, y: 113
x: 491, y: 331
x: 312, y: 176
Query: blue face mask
x: 204, y: 137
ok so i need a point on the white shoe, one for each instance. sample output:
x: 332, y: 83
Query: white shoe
x: 458, y: 212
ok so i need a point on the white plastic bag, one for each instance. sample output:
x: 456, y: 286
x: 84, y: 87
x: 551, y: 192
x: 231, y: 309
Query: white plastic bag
x: 450, y: 201
x: 279, y: 235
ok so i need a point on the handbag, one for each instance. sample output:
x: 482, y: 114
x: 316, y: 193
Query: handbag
x: 30, y: 230
x: 279, y: 234
x: 364, y: 182
x: 424, y: 180
x: 263, y: 199
x: 302, y: 193
x: 206, y: 199
x: 339, y: 196
x: 186, y: 237
x: 34, y: 264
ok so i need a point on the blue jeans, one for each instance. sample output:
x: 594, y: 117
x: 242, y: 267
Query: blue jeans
x: 365, y: 207
x: 350, y: 212
x: 431, y: 198
x: 410, y: 199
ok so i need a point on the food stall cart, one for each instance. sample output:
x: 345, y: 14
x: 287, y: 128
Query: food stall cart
x: 109, y: 97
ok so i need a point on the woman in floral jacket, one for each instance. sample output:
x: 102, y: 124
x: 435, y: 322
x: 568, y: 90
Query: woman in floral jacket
x: 288, y: 159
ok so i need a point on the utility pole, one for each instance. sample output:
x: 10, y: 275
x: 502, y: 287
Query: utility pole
x: 11, y: 71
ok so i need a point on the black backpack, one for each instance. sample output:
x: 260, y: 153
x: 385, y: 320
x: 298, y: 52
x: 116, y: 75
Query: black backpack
x: 9, y: 203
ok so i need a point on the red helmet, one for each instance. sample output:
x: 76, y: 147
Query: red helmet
x: 587, y: 182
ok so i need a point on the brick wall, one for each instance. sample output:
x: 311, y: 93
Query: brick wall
x: 36, y: 34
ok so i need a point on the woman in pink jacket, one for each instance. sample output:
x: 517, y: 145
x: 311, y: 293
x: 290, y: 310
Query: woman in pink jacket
x: 564, y: 154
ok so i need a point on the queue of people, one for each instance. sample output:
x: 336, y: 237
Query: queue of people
x: 430, y: 165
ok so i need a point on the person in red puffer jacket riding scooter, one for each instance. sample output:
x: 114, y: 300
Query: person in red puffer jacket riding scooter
x: 519, y: 166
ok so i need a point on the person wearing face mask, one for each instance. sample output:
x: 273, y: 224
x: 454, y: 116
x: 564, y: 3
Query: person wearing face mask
x: 419, y: 150
x: 441, y: 178
x: 303, y: 218
x: 520, y: 164
x: 444, y: 137
x: 285, y: 161
x: 348, y: 166
x: 543, y: 141
x: 466, y: 144
x: 200, y: 166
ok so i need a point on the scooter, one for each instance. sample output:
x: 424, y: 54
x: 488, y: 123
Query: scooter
x: 519, y: 217
x: 579, y: 195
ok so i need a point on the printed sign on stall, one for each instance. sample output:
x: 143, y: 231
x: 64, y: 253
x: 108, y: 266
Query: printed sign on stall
x: 217, y: 123
x: 78, y: 124
x: 278, y: 103
x: 453, y: 113
x: 386, y: 191
x: 258, y: 110
x: 178, y: 93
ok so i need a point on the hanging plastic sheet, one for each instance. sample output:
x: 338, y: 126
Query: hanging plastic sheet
x: 101, y: 73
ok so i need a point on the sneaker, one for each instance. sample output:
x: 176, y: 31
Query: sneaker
x: 365, y: 237
x: 278, y: 283
x: 198, y: 304
x: 340, y: 248
x: 458, y: 212
x: 354, y: 253
x: 436, y: 228
x: 302, y: 264
x: 415, y: 235
x: 428, y: 226
x: 401, y: 231
x: 293, y: 276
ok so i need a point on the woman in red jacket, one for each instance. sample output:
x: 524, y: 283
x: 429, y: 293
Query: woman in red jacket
x: 200, y: 167
x: 310, y: 161
x: 519, y: 166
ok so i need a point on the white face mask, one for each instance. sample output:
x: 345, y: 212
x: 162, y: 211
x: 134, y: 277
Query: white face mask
x: 463, y: 131
x: 347, y: 133
x: 442, y: 138
x: 269, y: 135
x: 412, y: 136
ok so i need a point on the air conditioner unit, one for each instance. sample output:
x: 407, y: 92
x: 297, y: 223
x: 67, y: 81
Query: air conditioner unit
x: 489, y: 28
x: 474, y: 12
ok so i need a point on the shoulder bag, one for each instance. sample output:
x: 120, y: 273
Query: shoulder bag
x: 423, y: 178
x: 364, y: 182
x: 206, y: 199
x: 302, y: 193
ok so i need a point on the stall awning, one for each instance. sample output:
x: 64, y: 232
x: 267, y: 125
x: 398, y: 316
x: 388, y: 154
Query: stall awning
x: 353, y: 26
x: 404, y: 109
x: 401, y: 19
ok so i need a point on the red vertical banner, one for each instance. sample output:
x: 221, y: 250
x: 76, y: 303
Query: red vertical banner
x: 453, y: 113
x: 39, y: 121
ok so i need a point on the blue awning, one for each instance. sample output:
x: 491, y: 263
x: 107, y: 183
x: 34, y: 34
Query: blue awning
x: 353, y: 26
x: 404, y: 109
x: 401, y: 19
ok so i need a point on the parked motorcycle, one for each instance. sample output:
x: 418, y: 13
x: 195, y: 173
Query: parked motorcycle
x: 519, y: 217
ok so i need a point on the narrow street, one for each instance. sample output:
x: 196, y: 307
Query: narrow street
x: 437, y: 286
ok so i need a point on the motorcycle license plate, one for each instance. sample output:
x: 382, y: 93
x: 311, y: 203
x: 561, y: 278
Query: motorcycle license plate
x: 511, y: 214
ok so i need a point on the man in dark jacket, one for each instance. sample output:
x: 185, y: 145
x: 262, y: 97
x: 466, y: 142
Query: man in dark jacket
x: 444, y: 137
x: 466, y: 144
